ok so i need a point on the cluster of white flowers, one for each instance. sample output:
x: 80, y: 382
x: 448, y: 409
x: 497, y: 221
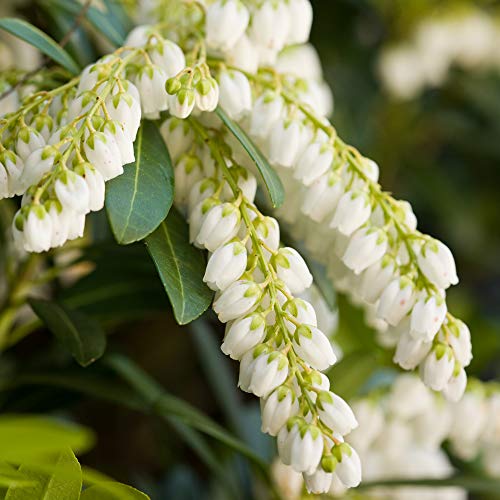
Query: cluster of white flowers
x: 468, y: 39
x: 270, y: 330
x: 401, y: 433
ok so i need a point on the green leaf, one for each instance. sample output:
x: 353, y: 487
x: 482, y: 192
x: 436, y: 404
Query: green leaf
x: 30, y: 438
x: 83, y: 336
x: 112, y: 491
x: 139, y: 200
x: 59, y: 481
x: 29, y: 33
x: 271, y: 178
x: 181, y: 267
x: 10, y: 477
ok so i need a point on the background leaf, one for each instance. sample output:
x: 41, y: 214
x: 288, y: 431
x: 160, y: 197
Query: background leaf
x: 30, y: 438
x: 83, y: 336
x: 181, y: 267
x: 139, y: 200
x: 112, y: 491
x: 40, y: 40
x: 271, y: 178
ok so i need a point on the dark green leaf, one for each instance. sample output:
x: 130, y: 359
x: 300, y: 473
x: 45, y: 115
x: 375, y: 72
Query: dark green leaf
x: 181, y: 267
x: 139, y: 200
x: 30, y: 438
x: 29, y: 33
x: 112, y: 491
x: 271, y: 178
x: 83, y: 336
x: 59, y: 481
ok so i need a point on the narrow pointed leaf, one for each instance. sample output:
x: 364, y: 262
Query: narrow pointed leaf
x: 139, y: 200
x: 113, y: 491
x: 83, y: 336
x: 181, y: 267
x: 32, y: 35
x: 271, y: 178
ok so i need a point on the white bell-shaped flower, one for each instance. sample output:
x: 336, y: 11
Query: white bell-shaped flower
x: 322, y: 197
x: 348, y: 469
x: 314, y: 347
x: 366, y: 247
x: 237, y: 300
x: 220, y: 225
x: 226, y: 265
x: 76, y: 225
x: 410, y: 352
x: 150, y: 82
x: 281, y: 405
x: 438, y: 367
x: 201, y: 190
x: 226, y: 21
x: 314, y: 162
x: 72, y: 191
x: 302, y: 311
x: 262, y: 370
x: 301, y: 16
x: 182, y: 103
x: 376, y: 278
x: 270, y: 27
x: 292, y: 270
x: 37, y: 229
x: 427, y: 317
x: 284, y: 145
x: 396, y: 300
x: 126, y: 110
x: 243, y: 56
x: 95, y: 184
x: 207, y: 94
x: 168, y: 56
x: 336, y: 413
x: 460, y: 341
x: 103, y: 153
x: 177, y: 135
x: 28, y: 141
x: 437, y: 263
x: 352, y: 211
x: 14, y: 166
x: 455, y: 388
x: 268, y: 230
x: 235, y: 94
x: 60, y: 222
x: 37, y: 165
x: 125, y: 144
x: 266, y: 111
x: 188, y: 171
x: 318, y: 482
x: 243, y: 334
x: 4, y: 183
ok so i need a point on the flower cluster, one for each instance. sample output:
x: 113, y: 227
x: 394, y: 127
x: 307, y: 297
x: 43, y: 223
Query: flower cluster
x: 401, y: 432
x: 269, y: 329
x: 468, y: 39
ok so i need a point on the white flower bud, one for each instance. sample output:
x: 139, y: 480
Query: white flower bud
x: 150, y: 82
x: 302, y: 311
x: 235, y: 94
x: 313, y: 346
x: 168, y: 56
x: 427, y: 317
x: 262, y: 370
x: 366, y: 247
x: 60, y: 223
x: 410, y: 352
x: 37, y: 229
x: 103, y: 153
x: 72, y: 192
x: 396, y: 300
x: 207, y: 94
x: 437, y: 263
x: 460, y: 341
x: 348, y: 469
x: 376, y: 278
x: 76, y: 226
x: 319, y: 481
x: 226, y: 265
x: 322, y: 197
x: 14, y: 167
x: 36, y: 166
x: 138, y: 36
x: 336, y: 413
x: 182, y: 103
x: 95, y: 185
x: 4, y: 183
x: 270, y: 27
x: 277, y: 409
x: 268, y: 230
x: 266, y: 112
x: 455, y: 388
x: 177, y: 135
x: 201, y: 190
x: 438, y: 367
x: 314, y: 162
x: 220, y: 225
x: 237, y: 300
x: 115, y: 131
x: 226, y: 21
x: 292, y: 270
x: 243, y: 56
x: 285, y: 142
x: 243, y: 334
x: 352, y: 211
x: 301, y: 16
x: 126, y: 110
x: 28, y: 141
